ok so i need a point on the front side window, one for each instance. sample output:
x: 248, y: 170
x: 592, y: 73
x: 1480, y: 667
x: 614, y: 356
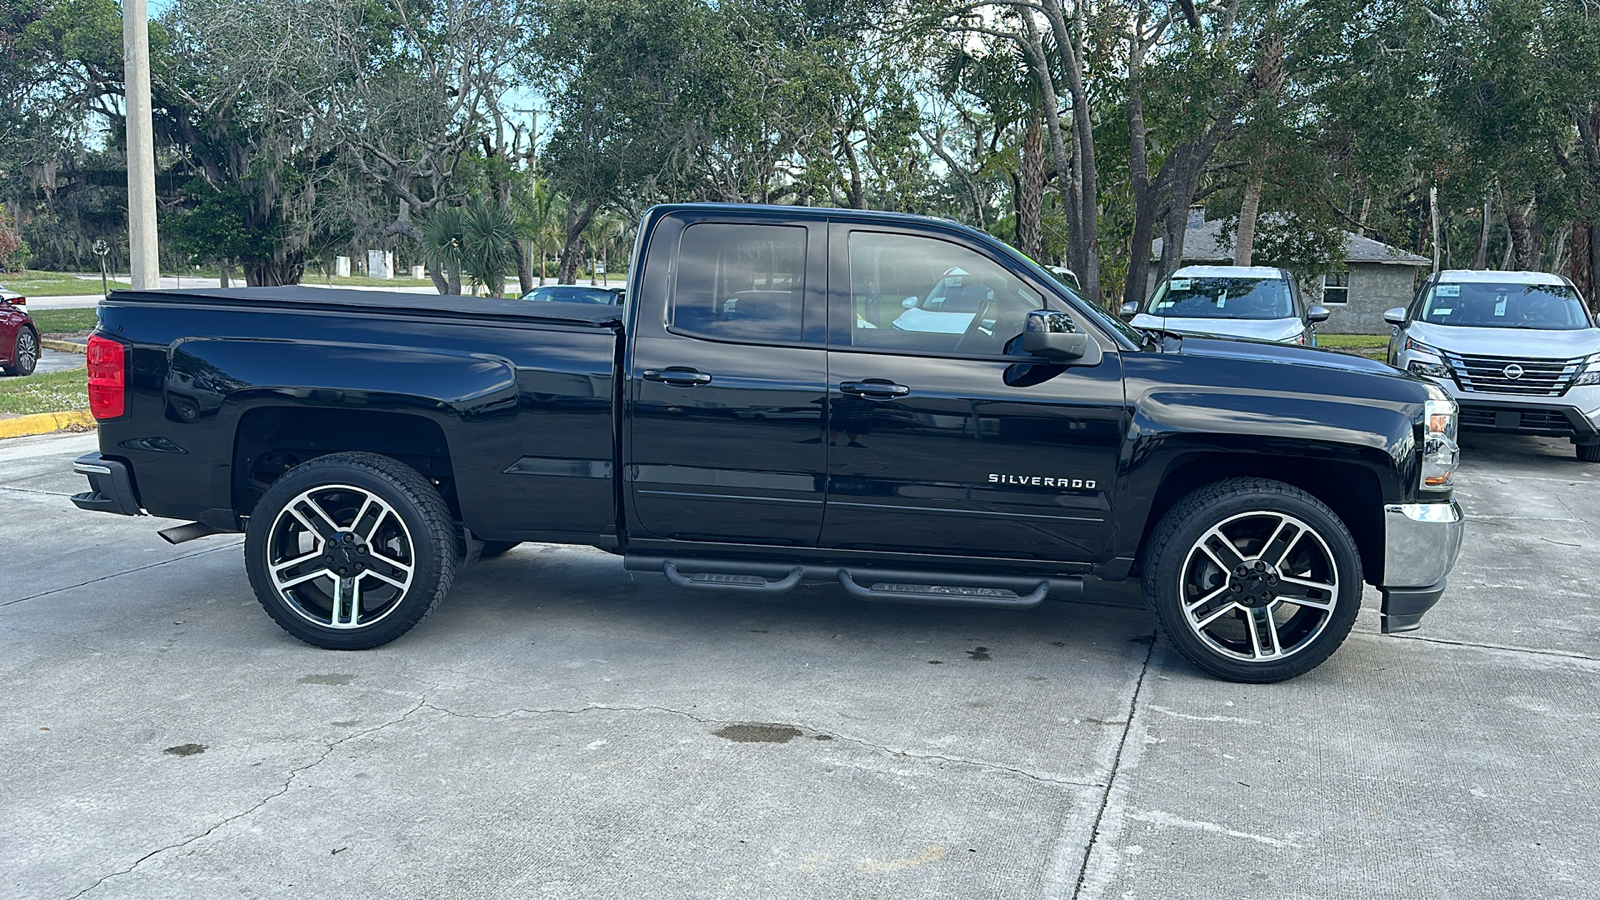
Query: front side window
x: 1222, y: 298
x: 1551, y: 307
x: 740, y: 282
x: 922, y: 294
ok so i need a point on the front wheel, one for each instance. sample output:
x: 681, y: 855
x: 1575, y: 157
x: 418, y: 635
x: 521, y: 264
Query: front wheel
x: 1254, y: 580
x: 349, y: 551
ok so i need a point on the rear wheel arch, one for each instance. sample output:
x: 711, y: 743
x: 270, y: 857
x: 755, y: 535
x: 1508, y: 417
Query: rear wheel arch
x: 272, y: 440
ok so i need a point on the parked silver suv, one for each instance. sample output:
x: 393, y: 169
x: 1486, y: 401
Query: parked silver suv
x: 1252, y: 302
x: 1517, y: 350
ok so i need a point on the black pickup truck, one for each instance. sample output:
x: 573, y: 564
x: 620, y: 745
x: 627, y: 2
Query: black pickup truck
x: 898, y: 405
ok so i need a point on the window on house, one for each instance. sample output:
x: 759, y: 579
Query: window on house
x: 1336, y: 288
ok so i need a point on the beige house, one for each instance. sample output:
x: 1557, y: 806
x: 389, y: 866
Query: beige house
x: 1375, y: 276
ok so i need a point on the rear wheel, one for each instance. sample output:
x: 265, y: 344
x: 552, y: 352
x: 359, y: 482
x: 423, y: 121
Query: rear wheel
x: 349, y: 551
x: 1253, y: 580
x: 1589, y: 452
x: 25, y: 357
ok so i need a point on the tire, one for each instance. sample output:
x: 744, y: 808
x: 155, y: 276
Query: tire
x: 1589, y: 452
x: 351, y: 525
x: 1238, y: 601
x: 492, y: 549
x: 25, y: 357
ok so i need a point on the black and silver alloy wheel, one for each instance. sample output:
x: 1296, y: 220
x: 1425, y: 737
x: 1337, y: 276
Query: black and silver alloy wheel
x: 340, y: 557
x: 350, y: 550
x: 26, y: 357
x: 1253, y: 580
x: 1259, y: 586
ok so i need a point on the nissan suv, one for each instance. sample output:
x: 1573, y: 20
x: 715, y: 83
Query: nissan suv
x: 1517, y: 350
x: 1251, y: 302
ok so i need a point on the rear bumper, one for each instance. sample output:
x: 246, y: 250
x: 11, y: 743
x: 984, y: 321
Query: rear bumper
x: 110, y: 486
x: 1421, y: 543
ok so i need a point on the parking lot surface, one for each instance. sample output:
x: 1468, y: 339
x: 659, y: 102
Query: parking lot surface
x: 559, y: 727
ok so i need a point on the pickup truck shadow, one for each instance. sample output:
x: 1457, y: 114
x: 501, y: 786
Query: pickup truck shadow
x: 547, y: 588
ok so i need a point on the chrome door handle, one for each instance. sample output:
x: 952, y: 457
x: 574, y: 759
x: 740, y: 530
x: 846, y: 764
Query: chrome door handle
x: 874, y: 389
x: 677, y: 376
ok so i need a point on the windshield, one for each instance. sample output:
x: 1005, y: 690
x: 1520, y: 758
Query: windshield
x: 1223, y: 298
x: 572, y: 294
x: 1547, y: 307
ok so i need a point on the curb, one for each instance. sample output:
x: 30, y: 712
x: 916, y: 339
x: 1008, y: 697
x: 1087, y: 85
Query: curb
x: 63, y: 346
x: 45, y: 423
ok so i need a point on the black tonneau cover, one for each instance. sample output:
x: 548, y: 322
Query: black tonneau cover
x: 590, y: 314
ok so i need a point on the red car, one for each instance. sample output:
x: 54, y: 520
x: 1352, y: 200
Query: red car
x: 19, y: 337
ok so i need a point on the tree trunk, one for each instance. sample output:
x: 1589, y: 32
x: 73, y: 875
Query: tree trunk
x: 1523, y: 251
x: 1480, y: 257
x: 274, y: 272
x: 524, y: 269
x: 572, y: 253
x: 1245, y: 240
x: 1030, y: 190
x: 1433, y: 223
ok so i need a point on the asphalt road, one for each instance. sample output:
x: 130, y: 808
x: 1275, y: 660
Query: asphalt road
x: 559, y: 728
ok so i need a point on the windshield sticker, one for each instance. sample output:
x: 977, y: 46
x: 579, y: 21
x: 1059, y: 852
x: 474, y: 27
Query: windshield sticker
x: 1447, y: 290
x: 1500, y: 307
x: 1443, y: 312
x: 1180, y: 284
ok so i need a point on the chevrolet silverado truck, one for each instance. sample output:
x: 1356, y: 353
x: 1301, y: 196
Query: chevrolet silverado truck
x: 754, y: 418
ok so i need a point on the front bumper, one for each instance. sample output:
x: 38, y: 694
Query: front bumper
x: 110, y: 486
x: 1420, y: 544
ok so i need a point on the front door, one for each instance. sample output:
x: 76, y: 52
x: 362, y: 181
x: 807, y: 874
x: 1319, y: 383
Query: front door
x: 726, y: 384
x: 943, y: 439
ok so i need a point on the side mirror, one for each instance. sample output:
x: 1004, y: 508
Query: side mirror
x: 908, y: 303
x: 1050, y: 334
x: 1130, y: 309
x: 1317, y: 314
x: 1396, y: 316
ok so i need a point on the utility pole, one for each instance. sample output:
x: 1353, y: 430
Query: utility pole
x: 144, y: 261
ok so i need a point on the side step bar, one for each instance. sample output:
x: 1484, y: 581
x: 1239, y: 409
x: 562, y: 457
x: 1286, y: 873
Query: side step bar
x: 871, y: 584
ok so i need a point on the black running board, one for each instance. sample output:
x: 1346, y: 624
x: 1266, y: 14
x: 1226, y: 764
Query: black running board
x: 872, y: 584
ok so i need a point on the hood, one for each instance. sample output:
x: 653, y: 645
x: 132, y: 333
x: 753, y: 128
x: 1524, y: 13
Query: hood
x: 1286, y: 353
x: 1250, y: 329
x: 1521, y: 343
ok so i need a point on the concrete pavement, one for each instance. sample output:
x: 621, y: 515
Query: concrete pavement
x: 559, y: 727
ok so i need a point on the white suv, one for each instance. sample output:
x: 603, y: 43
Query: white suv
x: 1252, y: 302
x: 1518, y: 351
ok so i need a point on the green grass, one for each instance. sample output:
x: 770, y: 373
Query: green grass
x: 54, y: 284
x: 64, y: 321
x: 55, y: 392
x: 1352, y: 341
x: 364, y: 281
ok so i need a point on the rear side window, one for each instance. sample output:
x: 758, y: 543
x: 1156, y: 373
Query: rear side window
x: 740, y: 282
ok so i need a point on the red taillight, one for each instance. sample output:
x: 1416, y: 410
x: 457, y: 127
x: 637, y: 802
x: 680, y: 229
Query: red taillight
x: 107, y: 378
x: 19, y: 301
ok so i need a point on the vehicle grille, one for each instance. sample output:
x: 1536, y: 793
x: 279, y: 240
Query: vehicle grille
x: 1537, y: 421
x: 1539, y: 378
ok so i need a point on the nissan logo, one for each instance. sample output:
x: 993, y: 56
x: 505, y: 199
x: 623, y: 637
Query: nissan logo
x: 1513, y: 371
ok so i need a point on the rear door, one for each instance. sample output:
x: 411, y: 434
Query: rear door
x: 726, y: 381
x: 945, y: 437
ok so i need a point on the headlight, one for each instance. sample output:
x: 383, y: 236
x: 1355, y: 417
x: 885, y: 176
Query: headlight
x: 1431, y: 368
x: 1440, y: 453
x: 1590, y: 373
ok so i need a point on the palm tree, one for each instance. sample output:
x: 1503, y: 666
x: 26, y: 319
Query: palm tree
x: 443, y: 247
x: 490, y: 235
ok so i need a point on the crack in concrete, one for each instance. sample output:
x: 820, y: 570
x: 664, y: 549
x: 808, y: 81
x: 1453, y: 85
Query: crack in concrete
x: 19, y: 490
x: 230, y: 546
x: 1116, y: 765
x: 287, y: 783
x: 842, y: 738
x: 1492, y: 648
